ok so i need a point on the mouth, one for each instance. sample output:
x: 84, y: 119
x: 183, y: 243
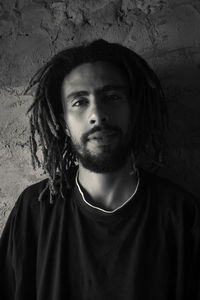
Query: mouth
x: 102, y: 137
x: 104, y: 134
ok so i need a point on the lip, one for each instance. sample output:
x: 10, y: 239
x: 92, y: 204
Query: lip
x: 102, y: 135
x: 100, y: 139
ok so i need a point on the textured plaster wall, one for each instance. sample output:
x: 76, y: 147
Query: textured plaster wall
x: 165, y: 32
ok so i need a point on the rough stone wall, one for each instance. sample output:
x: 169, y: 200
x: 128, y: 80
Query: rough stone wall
x: 165, y: 32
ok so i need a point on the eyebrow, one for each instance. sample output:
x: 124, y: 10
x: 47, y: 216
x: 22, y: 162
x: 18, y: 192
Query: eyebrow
x: 106, y: 88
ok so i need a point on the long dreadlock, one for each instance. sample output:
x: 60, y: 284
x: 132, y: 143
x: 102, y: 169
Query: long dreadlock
x: 149, y: 114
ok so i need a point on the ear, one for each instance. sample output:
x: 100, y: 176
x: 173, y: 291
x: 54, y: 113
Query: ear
x: 64, y: 125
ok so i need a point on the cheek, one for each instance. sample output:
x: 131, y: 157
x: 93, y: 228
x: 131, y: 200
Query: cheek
x: 75, y: 127
x: 124, y: 118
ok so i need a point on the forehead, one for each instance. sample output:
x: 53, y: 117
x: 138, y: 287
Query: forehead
x: 93, y: 76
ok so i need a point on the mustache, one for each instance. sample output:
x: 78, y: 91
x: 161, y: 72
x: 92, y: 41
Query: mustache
x: 105, y: 128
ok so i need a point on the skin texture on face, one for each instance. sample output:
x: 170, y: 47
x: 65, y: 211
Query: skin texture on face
x: 96, y: 109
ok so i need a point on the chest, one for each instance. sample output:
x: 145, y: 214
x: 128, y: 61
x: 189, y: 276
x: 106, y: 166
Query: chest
x: 87, y: 259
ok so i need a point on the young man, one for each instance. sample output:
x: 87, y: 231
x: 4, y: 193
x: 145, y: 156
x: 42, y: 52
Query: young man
x: 100, y: 227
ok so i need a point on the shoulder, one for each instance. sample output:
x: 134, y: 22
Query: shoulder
x: 172, y: 200
x: 166, y: 188
x: 29, y: 213
x: 26, y: 211
x: 23, y: 219
x: 30, y: 196
x: 31, y: 204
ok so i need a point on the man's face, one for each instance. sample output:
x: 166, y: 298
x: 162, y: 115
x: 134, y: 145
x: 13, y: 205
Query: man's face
x: 97, y: 115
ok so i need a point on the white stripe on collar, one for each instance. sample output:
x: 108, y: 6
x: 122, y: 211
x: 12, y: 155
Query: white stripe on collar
x: 101, y: 209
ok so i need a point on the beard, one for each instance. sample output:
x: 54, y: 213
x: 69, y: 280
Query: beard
x: 111, y: 157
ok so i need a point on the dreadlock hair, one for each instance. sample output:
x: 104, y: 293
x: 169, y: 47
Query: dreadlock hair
x: 149, y: 114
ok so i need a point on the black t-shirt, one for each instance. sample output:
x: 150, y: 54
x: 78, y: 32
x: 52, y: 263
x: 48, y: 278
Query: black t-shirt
x: 147, y: 249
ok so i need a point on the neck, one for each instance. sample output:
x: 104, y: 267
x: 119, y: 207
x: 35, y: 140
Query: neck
x: 109, y: 190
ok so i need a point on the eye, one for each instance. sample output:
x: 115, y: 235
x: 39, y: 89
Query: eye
x: 79, y: 102
x: 113, y: 97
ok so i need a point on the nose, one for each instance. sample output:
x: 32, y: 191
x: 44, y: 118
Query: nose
x: 98, y: 115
